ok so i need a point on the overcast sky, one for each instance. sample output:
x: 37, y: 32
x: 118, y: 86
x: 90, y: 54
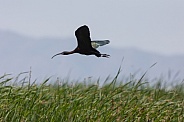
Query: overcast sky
x: 152, y: 25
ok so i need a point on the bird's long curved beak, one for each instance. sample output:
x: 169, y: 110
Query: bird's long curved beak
x: 56, y: 55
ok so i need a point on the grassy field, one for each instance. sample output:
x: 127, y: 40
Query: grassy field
x: 135, y: 100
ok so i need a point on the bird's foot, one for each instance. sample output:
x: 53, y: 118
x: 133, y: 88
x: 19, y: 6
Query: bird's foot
x: 105, y: 55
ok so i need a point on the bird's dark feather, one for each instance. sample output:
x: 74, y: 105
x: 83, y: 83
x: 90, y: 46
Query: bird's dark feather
x: 83, y: 38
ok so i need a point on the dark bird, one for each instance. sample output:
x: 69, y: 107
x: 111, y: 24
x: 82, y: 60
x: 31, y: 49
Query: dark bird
x: 85, y: 45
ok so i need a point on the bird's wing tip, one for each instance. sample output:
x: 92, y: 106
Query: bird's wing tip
x: 107, y: 41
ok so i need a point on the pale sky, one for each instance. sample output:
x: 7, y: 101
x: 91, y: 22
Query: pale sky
x: 151, y: 25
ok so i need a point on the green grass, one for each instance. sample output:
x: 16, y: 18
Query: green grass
x: 131, y: 101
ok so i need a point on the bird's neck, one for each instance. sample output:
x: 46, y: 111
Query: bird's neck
x: 70, y: 52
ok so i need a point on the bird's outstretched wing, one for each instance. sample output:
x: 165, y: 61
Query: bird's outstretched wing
x: 83, y: 38
x: 97, y: 43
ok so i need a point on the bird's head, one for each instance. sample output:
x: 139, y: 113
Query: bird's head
x: 64, y: 53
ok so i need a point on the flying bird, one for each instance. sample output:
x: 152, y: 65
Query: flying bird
x: 85, y: 45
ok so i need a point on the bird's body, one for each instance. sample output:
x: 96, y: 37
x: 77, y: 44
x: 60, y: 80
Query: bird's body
x: 85, y: 45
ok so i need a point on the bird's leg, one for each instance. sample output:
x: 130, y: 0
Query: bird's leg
x: 105, y: 55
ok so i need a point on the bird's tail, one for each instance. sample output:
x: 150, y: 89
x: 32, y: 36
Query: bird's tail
x: 97, y: 43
